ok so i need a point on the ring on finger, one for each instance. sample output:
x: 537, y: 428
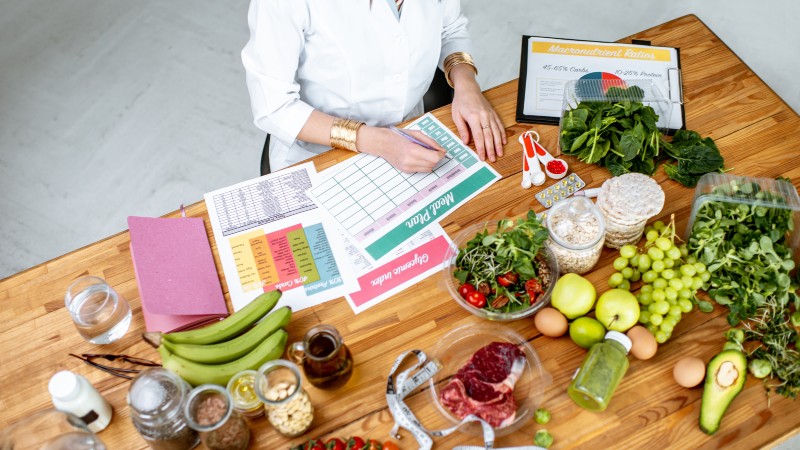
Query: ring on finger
x: 485, y: 126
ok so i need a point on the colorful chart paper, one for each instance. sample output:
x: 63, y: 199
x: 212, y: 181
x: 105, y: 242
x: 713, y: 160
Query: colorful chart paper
x: 269, y: 235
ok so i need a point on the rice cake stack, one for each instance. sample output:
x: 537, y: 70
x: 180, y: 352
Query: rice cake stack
x: 627, y: 202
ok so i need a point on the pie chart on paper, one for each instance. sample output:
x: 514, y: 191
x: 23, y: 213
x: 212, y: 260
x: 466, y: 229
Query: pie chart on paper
x: 607, y: 80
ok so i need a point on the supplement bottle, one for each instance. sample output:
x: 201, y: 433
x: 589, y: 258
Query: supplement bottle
x: 596, y: 380
x: 74, y: 394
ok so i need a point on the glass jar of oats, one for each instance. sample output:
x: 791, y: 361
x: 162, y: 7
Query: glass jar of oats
x: 577, y: 233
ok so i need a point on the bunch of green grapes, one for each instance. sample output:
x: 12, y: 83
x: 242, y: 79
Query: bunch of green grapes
x: 670, y: 278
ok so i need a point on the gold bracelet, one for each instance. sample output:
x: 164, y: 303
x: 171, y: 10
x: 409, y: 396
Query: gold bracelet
x: 344, y: 133
x: 455, y: 59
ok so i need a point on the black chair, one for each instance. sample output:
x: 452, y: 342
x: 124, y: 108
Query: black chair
x: 439, y: 94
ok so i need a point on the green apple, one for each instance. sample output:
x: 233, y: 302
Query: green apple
x: 586, y: 331
x: 617, y: 310
x: 573, y: 295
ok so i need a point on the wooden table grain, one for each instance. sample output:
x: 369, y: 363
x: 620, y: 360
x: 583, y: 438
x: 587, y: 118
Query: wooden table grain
x: 757, y: 133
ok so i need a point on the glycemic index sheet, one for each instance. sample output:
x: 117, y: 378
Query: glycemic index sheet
x: 381, y: 207
x: 270, y: 235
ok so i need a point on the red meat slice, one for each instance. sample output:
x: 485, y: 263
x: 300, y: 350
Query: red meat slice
x: 485, y: 385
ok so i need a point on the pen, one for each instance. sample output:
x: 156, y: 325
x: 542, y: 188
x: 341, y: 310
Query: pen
x: 413, y: 139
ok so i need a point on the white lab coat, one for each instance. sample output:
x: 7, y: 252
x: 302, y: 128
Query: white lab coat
x: 347, y: 58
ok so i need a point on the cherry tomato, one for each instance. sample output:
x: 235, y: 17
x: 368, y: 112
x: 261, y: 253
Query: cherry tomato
x: 355, y: 443
x: 335, y: 444
x: 476, y: 299
x: 508, y: 279
x: 533, y: 288
x: 389, y: 445
x: 372, y: 444
x: 465, y: 289
x: 314, y: 444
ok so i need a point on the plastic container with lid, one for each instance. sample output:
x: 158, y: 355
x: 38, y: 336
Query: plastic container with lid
x: 600, y: 373
x: 577, y: 233
x: 209, y: 410
x: 156, y: 398
x: 74, y: 394
x: 600, y: 91
x: 725, y: 190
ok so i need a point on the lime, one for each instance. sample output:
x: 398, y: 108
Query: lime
x: 586, y: 331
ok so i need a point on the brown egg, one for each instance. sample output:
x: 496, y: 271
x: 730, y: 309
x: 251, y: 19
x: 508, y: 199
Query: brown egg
x: 644, y: 344
x: 689, y: 371
x: 550, y: 322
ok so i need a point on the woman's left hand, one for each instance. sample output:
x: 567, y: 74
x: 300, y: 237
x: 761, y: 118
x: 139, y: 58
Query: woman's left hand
x: 474, y: 116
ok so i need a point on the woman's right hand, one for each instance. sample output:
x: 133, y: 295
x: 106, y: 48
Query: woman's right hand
x: 400, y: 152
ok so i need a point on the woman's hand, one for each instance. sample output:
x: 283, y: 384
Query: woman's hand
x: 474, y: 116
x: 401, y: 153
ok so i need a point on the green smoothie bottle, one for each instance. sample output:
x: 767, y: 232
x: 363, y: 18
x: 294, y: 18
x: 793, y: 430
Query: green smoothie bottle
x: 595, y: 381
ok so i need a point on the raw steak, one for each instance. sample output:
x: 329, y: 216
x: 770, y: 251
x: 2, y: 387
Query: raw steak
x: 485, y: 385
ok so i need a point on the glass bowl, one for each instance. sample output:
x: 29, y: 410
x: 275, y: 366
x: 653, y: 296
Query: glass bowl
x: 452, y: 284
x: 456, y: 348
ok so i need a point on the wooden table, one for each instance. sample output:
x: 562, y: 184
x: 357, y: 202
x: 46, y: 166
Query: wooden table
x: 757, y: 133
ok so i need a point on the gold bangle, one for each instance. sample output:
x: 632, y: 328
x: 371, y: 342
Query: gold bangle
x: 344, y: 133
x: 455, y: 59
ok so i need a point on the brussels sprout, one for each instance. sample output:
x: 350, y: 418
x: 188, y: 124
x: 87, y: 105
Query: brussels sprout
x: 735, y: 335
x: 760, y: 368
x: 541, y: 416
x: 732, y: 346
x: 795, y: 318
x: 543, y: 439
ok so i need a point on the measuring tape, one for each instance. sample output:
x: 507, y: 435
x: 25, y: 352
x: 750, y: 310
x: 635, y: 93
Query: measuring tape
x: 397, y: 388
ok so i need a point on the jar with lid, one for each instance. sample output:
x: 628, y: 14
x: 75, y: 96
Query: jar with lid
x: 156, y: 398
x: 600, y: 373
x: 209, y: 410
x: 242, y: 389
x: 577, y: 233
x: 288, y: 407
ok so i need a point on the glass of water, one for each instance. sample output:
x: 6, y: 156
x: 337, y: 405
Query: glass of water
x: 49, y: 430
x: 100, y: 314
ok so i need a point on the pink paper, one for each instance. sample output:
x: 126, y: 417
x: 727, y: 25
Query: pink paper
x: 178, y: 283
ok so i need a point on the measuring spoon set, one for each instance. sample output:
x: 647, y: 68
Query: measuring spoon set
x: 532, y: 154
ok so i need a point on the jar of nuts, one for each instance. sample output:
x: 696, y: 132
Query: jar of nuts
x: 577, y: 233
x: 279, y: 385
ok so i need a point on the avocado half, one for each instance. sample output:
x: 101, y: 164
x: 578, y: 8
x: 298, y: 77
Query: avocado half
x: 725, y: 377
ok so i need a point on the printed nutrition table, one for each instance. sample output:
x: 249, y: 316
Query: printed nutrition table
x: 263, y: 201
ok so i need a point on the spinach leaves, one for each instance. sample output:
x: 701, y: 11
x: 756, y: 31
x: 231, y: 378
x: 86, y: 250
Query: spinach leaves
x: 621, y: 135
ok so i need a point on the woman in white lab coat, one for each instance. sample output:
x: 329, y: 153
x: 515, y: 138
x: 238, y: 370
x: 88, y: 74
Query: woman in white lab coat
x: 313, y: 64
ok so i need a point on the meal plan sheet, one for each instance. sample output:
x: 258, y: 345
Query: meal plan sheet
x: 270, y: 235
x: 381, y: 207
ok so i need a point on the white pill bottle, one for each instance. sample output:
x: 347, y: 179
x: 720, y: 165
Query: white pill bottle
x: 74, y: 394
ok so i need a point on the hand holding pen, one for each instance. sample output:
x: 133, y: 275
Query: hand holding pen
x: 406, y: 155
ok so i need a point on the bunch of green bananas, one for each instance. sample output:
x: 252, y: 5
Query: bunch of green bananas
x: 215, y: 353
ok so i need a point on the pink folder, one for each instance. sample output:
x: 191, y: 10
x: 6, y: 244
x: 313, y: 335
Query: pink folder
x: 178, y: 283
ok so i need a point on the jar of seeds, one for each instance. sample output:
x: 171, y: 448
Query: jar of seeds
x: 288, y: 408
x: 209, y: 410
x: 577, y: 232
x: 156, y: 398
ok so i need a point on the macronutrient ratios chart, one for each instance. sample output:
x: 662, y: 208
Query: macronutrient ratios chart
x: 382, y: 207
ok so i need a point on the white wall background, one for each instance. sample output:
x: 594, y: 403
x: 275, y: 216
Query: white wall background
x: 115, y: 108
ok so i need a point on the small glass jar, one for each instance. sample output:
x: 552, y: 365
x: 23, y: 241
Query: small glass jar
x: 156, y: 398
x: 600, y: 373
x: 288, y: 407
x: 242, y: 389
x: 209, y: 410
x: 577, y: 233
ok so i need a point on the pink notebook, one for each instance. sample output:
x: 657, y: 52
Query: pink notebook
x: 178, y: 282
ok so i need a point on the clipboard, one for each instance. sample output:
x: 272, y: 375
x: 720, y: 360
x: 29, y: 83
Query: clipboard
x: 547, y: 64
